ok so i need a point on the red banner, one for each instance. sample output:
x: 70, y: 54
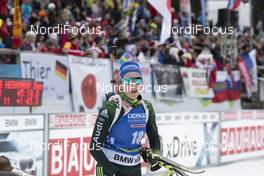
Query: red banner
x: 71, y: 157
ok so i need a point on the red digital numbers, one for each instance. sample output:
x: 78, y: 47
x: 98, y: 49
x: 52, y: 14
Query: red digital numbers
x: 20, y: 93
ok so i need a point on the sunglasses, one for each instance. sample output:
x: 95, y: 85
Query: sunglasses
x: 128, y: 81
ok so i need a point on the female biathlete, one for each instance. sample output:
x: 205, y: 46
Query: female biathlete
x: 121, y: 125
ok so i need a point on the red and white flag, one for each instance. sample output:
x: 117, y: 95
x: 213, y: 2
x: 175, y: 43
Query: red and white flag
x: 233, y: 4
x: 164, y: 9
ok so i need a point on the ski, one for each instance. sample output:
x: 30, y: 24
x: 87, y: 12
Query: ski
x: 169, y: 164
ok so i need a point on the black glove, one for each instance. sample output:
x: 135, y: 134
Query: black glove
x: 146, y: 155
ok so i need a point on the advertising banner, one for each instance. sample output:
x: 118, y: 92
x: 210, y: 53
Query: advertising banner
x: 69, y: 143
x: 190, y: 139
x: 71, y: 120
x: 241, y: 139
x: 187, y: 117
x: 168, y: 80
x: 21, y: 139
x: 196, y: 84
x: 90, y: 80
x: 259, y: 114
x: 53, y: 71
x: 242, y: 115
x: 69, y: 154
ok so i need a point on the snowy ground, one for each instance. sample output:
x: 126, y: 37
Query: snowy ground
x: 253, y: 167
x: 242, y: 168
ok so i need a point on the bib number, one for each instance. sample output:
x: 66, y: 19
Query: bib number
x: 137, y: 137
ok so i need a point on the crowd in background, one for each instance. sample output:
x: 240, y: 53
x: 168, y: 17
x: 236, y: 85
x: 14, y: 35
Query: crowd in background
x: 135, y: 31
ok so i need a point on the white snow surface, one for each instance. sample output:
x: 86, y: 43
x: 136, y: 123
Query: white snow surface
x: 253, y: 167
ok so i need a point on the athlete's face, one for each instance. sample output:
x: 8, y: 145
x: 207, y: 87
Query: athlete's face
x: 132, y: 84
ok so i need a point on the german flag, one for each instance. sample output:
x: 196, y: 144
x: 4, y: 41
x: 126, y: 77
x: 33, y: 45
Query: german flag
x: 61, y: 70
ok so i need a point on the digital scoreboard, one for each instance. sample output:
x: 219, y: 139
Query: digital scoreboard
x: 20, y: 92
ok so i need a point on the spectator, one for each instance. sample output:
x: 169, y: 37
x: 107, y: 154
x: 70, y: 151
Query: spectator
x: 261, y: 57
x: 143, y: 55
x: 130, y: 54
x: 161, y: 53
x: 29, y: 42
x: 246, y: 49
x: 98, y: 50
x: 174, y: 58
x: 52, y: 13
x: 260, y: 27
x: 205, y: 60
x: 26, y: 9
x: 4, y: 34
x: 51, y: 44
x: 3, y: 8
x: 72, y: 45
x: 153, y: 56
x: 187, y: 60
